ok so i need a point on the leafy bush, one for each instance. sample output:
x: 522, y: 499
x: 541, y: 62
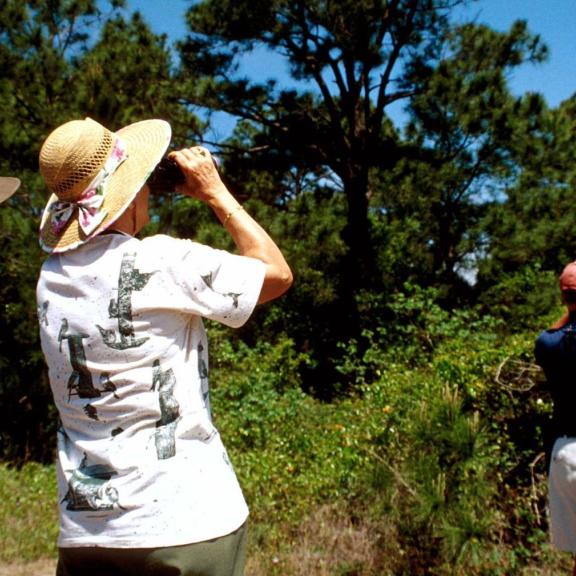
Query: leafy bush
x: 27, y: 417
x: 522, y: 297
x: 433, y: 466
x: 435, y: 462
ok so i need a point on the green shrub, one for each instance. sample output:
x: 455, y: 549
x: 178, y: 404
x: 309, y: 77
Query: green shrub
x: 431, y: 465
x: 290, y: 450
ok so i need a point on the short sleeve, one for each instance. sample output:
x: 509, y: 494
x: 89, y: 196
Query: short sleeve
x: 539, y: 350
x: 198, y: 279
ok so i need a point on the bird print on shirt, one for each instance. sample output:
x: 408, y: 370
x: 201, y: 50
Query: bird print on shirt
x: 129, y: 281
x: 80, y: 381
x: 165, y: 437
x: 208, y: 280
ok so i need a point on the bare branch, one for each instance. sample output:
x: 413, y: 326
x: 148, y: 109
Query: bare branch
x: 517, y: 375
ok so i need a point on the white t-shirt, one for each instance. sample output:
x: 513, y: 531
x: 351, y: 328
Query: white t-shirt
x: 140, y: 463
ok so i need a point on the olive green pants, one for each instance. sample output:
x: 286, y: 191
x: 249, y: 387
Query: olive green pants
x: 223, y: 556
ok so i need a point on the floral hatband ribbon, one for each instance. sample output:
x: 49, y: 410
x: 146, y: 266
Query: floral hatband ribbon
x: 89, y: 203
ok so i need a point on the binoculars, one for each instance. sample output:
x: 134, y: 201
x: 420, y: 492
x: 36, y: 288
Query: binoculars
x: 165, y: 177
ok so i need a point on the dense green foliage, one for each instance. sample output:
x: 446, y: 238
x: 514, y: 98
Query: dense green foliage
x: 390, y: 393
x: 434, y: 466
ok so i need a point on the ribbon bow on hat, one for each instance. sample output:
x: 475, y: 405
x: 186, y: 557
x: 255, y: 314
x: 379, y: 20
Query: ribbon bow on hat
x: 89, y: 203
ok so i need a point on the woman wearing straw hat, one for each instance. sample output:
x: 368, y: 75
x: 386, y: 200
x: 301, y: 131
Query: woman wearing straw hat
x: 145, y: 483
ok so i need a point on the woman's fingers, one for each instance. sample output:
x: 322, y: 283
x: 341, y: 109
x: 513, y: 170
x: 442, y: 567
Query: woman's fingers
x: 199, y: 170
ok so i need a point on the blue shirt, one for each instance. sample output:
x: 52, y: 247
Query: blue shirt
x: 555, y: 352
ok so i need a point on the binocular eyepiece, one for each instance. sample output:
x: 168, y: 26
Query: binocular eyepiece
x: 165, y: 177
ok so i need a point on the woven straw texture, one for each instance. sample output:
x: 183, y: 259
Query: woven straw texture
x: 8, y: 186
x: 72, y: 156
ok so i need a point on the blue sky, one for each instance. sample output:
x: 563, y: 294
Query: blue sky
x: 553, y: 20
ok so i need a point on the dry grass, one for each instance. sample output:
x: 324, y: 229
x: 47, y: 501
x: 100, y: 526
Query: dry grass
x: 42, y: 567
x: 328, y: 543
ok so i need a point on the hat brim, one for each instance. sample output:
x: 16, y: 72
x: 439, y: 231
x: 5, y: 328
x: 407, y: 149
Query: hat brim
x: 8, y: 186
x: 146, y: 143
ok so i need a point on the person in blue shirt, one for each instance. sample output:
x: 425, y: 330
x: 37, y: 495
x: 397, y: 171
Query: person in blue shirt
x: 555, y: 352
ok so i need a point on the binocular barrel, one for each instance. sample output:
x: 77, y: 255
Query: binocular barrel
x: 167, y: 175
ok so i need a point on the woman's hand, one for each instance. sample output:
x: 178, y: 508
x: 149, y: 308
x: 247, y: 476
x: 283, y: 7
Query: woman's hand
x: 202, y: 179
x: 204, y: 183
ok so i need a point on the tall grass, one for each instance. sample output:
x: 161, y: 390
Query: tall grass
x: 28, y: 513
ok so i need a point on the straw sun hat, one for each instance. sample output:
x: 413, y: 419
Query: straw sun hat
x: 8, y: 186
x: 93, y: 175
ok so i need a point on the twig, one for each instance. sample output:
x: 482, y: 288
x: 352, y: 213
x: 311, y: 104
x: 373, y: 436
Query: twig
x: 533, y: 487
x: 523, y: 377
x: 399, y: 478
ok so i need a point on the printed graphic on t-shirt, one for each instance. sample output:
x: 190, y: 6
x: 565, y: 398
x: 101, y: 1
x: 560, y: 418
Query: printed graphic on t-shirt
x: 130, y: 280
x: 234, y: 295
x: 106, y: 385
x: 80, y: 381
x: 203, y: 373
x: 90, y: 489
x: 91, y: 412
x: 165, y: 435
x: 43, y: 313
